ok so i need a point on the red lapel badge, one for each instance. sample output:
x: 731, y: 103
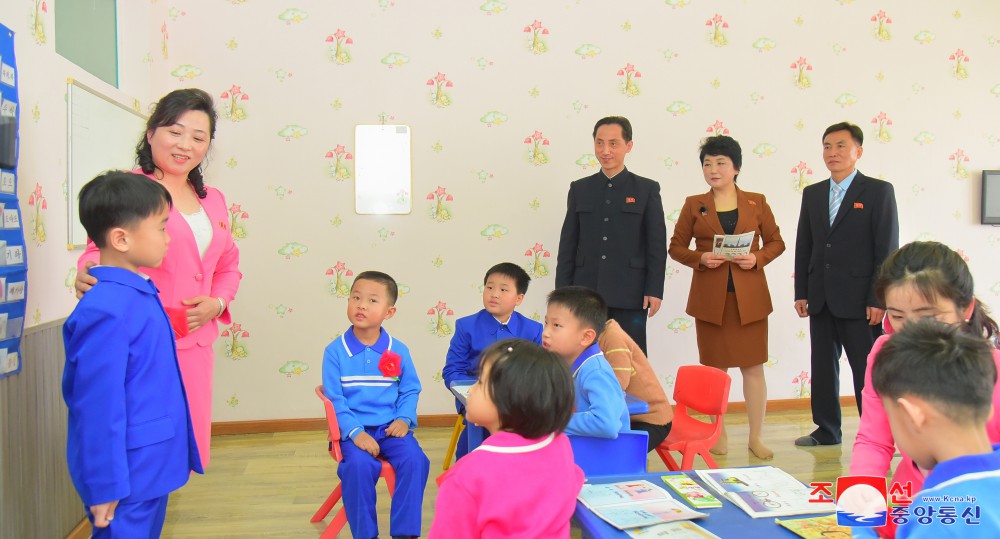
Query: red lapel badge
x: 752, y: 203
x: 859, y: 206
x: 222, y: 225
x: 630, y: 200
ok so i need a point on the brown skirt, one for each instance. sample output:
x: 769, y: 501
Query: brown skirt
x: 731, y: 344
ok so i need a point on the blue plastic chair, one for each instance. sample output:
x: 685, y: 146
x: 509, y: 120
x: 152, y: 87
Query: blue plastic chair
x: 624, y: 455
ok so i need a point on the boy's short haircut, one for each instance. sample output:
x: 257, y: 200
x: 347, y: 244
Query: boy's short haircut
x: 531, y: 387
x: 586, y: 305
x: 383, y: 279
x: 509, y: 269
x: 117, y: 199
x: 939, y: 363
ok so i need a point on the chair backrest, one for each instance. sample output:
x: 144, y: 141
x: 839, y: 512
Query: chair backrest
x: 333, y: 428
x: 703, y: 389
x: 624, y: 455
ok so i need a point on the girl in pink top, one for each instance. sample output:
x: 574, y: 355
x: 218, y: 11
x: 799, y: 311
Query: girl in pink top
x: 522, y: 482
x: 920, y: 280
x: 200, y: 274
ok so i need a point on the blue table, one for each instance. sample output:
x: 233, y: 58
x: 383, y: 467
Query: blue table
x: 636, y: 406
x: 726, y: 521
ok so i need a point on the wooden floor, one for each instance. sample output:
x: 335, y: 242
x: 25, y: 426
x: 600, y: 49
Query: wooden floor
x: 269, y: 485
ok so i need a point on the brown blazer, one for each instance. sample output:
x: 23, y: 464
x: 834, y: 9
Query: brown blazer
x: 699, y: 220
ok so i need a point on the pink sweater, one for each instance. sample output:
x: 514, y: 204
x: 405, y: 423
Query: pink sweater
x: 509, y: 487
x: 874, y: 446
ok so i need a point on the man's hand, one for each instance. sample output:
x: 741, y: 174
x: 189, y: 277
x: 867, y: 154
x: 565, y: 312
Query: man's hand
x: 103, y: 513
x: 802, y: 308
x: 397, y: 429
x: 651, y: 303
x: 366, y: 443
x: 874, y: 315
x: 85, y: 281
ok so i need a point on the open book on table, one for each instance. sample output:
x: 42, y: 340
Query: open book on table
x: 631, y: 504
x: 764, y: 491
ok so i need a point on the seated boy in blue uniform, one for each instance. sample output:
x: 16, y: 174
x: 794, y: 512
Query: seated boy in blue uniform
x: 371, y: 381
x: 936, y: 383
x: 504, y: 287
x: 130, y: 442
x: 574, y: 318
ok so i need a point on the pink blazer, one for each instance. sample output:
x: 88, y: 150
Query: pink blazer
x: 184, y: 274
x: 874, y: 446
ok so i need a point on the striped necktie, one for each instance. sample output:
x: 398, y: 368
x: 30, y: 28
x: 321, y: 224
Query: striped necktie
x: 836, y: 197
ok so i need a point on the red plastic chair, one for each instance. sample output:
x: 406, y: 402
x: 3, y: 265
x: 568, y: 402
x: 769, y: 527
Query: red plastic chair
x: 340, y: 519
x: 706, y: 391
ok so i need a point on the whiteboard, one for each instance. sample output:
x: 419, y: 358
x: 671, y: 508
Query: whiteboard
x: 101, y: 135
x: 382, y: 170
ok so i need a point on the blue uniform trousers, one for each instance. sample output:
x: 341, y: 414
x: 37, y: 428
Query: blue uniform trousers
x: 134, y: 520
x: 359, y: 472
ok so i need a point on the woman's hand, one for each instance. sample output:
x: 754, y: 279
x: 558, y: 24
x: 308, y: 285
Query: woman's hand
x: 201, y: 310
x: 84, y: 280
x: 747, y: 261
x: 712, y: 260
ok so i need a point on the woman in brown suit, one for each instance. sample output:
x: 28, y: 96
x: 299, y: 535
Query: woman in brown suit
x: 729, y: 299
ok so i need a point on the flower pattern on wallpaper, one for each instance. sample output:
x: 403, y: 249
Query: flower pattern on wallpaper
x: 237, y: 218
x: 846, y: 100
x: 439, y: 96
x: 339, y: 52
x: 958, y: 161
x: 587, y: 51
x: 280, y: 191
x: 494, y: 231
x: 536, y: 265
x: 803, y: 385
x: 234, y: 107
x: 338, y: 285
x: 536, y: 41
x: 680, y: 324
x: 717, y: 128
x: 293, y: 132
x: 37, y: 201
x: 628, y: 84
x: 764, y: 149
x: 440, y: 326
x: 587, y: 160
x: 281, y: 310
x: 802, y: 173
x: 164, y: 38
x: 186, y: 72
x: 717, y: 36
x: 536, y: 153
x: 882, y: 27
x: 802, y: 67
x: 395, y: 59
x: 338, y: 166
x: 293, y: 15
x: 235, y: 336
x: 293, y: 249
x: 924, y: 37
x: 493, y: 7
x: 37, y: 21
x: 678, y: 108
x: 958, y: 69
x: 440, y: 210
x: 493, y: 117
x: 293, y: 368
x: 882, y: 122
x: 764, y: 44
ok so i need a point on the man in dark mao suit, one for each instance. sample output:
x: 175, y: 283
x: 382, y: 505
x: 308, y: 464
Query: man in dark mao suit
x: 848, y: 225
x: 614, y: 237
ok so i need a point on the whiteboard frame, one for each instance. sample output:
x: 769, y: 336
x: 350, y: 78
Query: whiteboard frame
x: 73, y: 190
x: 362, y: 147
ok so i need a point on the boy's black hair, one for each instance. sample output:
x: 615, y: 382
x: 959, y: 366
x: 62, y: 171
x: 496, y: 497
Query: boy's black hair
x: 620, y: 121
x: 509, y: 269
x: 117, y: 199
x: 939, y: 363
x: 586, y: 305
x: 383, y: 279
x: 531, y: 387
x: 856, y: 133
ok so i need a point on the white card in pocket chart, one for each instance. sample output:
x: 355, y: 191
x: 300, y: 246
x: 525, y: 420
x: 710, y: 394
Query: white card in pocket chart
x: 7, y: 74
x: 11, y: 219
x: 8, y: 108
x: 3, y: 325
x: 7, y: 182
x: 15, y: 291
x: 14, y: 255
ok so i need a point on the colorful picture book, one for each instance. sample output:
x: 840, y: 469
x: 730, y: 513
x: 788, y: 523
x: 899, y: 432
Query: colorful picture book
x: 684, y: 529
x: 764, y: 491
x: 693, y: 493
x: 633, y: 504
x: 815, y: 527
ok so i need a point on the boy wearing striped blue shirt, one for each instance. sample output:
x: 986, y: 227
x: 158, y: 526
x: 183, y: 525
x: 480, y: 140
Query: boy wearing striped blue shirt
x: 371, y: 381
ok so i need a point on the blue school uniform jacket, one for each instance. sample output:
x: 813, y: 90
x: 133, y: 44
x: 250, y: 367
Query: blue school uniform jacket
x: 130, y: 436
x: 361, y: 394
x: 475, y: 333
x: 600, y: 401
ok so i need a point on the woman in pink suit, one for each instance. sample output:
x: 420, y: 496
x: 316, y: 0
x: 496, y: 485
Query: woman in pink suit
x: 200, y: 274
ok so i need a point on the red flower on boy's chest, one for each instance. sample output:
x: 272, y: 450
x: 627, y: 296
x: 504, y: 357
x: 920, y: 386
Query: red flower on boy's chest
x: 389, y: 364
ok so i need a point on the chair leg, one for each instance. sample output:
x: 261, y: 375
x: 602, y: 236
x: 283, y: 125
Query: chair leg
x: 390, y: 483
x: 687, y: 463
x: 336, y: 525
x: 455, y: 433
x: 668, y: 459
x: 324, y: 509
x: 709, y: 460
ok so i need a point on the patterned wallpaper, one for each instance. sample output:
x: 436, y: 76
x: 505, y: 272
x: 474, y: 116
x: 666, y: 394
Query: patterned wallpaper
x: 501, y: 97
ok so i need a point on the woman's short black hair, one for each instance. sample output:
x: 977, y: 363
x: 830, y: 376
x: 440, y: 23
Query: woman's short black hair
x: 165, y: 113
x: 531, y: 387
x: 722, y: 145
x: 119, y: 199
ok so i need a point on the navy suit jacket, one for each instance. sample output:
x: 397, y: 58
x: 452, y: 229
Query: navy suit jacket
x: 614, y: 239
x: 130, y: 436
x: 836, y: 265
x: 476, y: 332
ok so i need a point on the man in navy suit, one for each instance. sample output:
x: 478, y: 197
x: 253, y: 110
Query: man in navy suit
x: 614, y: 237
x: 848, y: 225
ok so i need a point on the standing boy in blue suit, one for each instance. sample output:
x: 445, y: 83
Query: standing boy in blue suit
x: 574, y: 318
x: 130, y: 442
x: 371, y: 381
x: 504, y: 287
